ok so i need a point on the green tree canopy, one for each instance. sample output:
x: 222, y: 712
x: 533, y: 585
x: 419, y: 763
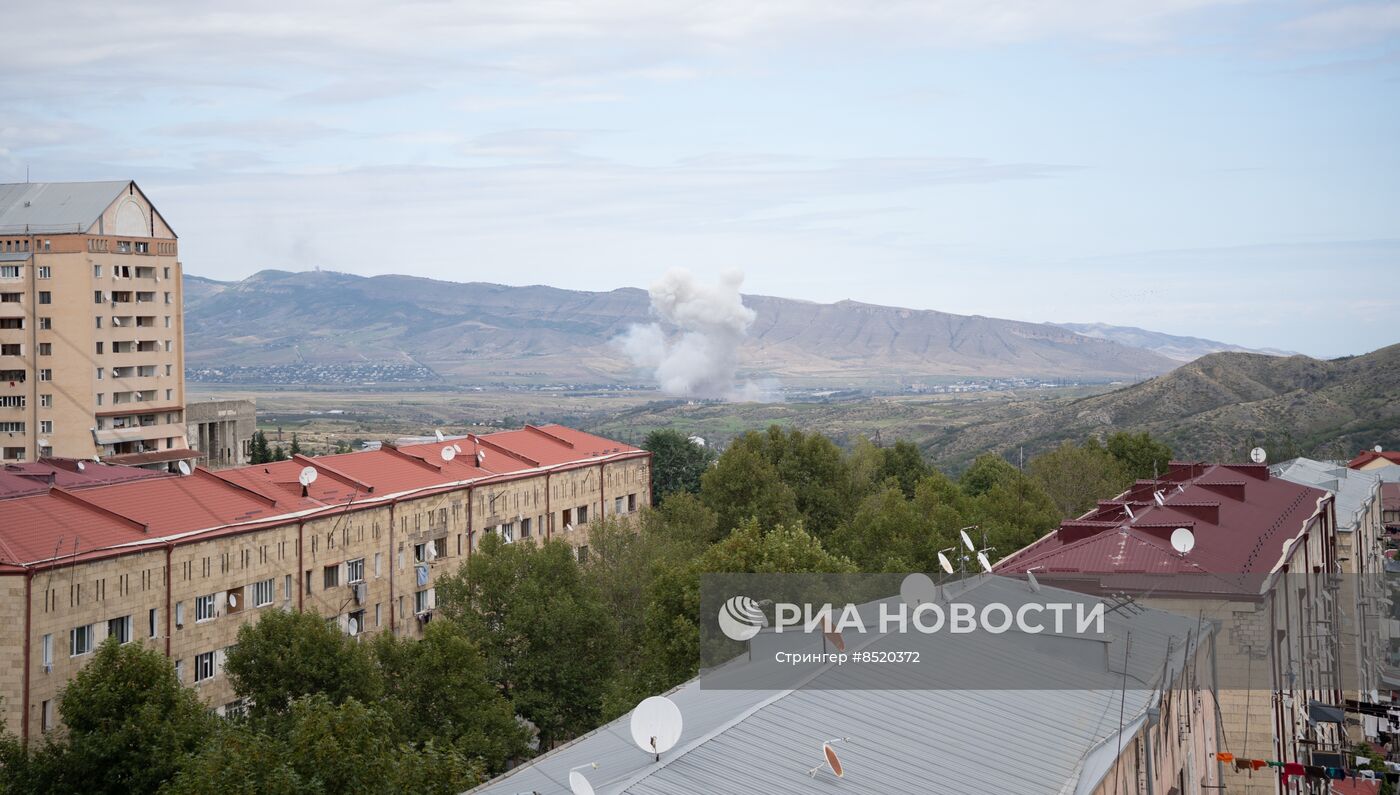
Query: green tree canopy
x: 1077, y: 476
x: 285, y: 655
x: 1142, y: 456
x: 676, y: 464
x: 743, y: 485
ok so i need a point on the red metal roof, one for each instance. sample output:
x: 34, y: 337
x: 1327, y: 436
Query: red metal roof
x: 1241, y: 518
x: 154, y: 457
x: 1367, y: 456
x: 154, y: 508
x: 35, y: 477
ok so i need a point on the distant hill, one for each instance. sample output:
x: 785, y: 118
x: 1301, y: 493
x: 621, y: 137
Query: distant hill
x: 1219, y: 406
x: 334, y: 325
x: 1172, y: 346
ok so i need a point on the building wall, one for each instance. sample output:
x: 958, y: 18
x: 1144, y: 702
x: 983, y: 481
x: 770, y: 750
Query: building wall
x: 387, y: 538
x: 222, y: 430
x: 72, y: 335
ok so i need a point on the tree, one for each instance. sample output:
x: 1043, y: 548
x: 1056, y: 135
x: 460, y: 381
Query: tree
x: 278, y: 454
x: 259, y: 453
x: 1142, y: 456
x: 322, y: 748
x: 436, y: 689
x: 676, y: 464
x: 822, y: 482
x: 546, y: 634
x: 1077, y: 476
x: 296, y: 444
x: 744, y: 484
x: 131, y: 726
x: 986, y: 471
x: 285, y: 655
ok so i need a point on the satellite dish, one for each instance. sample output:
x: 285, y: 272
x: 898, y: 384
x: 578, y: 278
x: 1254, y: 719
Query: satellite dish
x: 1128, y: 509
x: 1032, y: 581
x: 577, y: 783
x: 1258, y: 456
x: 986, y: 564
x: 967, y: 540
x: 1161, y: 501
x: 184, y: 467
x: 438, y: 434
x: 307, y: 476
x: 569, y: 528
x: 354, y: 627
x: 1183, y: 540
x: 945, y: 563
x: 656, y: 725
x: 480, y: 457
x: 918, y: 588
x: 457, y: 447
x: 698, y: 441
x: 233, y: 600
x: 449, y: 453
x: 832, y: 761
x: 116, y: 321
x: 82, y: 465
x: 1378, y: 448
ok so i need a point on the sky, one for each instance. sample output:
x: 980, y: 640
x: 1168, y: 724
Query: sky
x: 1218, y: 168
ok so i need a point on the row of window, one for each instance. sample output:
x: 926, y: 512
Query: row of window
x: 21, y: 244
x: 16, y: 271
x: 129, y: 271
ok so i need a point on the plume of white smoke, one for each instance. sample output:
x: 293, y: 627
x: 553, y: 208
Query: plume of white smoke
x: 701, y: 357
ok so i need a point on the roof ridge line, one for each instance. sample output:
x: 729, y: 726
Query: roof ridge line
x: 334, y: 473
x: 207, y: 474
x: 74, y: 499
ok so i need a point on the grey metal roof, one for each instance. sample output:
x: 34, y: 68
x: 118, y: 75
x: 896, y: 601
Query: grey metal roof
x: 1355, y: 489
x: 55, y: 207
x: 15, y: 256
x: 931, y: 739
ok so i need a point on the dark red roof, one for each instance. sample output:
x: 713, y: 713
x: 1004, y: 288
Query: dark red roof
x: 1241, y: 518
x: 1368, y: 456
x: 1390, y: 496
x: 150, y: 508
x: 154, y: 457
x: 35, y: 477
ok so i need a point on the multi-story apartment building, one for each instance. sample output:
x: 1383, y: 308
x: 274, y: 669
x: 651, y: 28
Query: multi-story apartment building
x: 91, y: 336
x: 181, y: 562
x: 1262, y: 564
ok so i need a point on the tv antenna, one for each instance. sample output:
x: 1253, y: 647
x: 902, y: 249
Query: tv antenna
x: 1258, y: 455
x: 578, y: 784
x: 1125, y: 603
x: 830, y: 759
x: 656, y: 725
x: 306, y: 477
x: 1183, y: 541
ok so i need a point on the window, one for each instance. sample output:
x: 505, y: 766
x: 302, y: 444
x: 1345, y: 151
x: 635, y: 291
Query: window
x: 330, y: 577
x: 9, y: 271
x: 378, y: 563
x: 440, y: 547
x: 377, y: 618
x: 97, y: 296
x: 11, y: 427
x: 524, y: 528
x: 287, y: 587
x: 99, y: 321
x: 46, y: 716
x: 121, y: 628
x: 46, y: 324
x: 167, y: 272
x: 308, y: 580
x: 180, y: 607
x: 423, y: 601
x: 143, y: 247
x: 46, y: 349
x: 79, y: 640
x: 99, y: 347
x: 619, y: 505
x: 45, y: 426
x: 46, y: 401
x: 420, y: 553
x: 9, y: 298
x: 168, y: 299
x: 45, y: 272
x: 47, y: 648
x: 99, y: 398
x: 583, y: 514
x: 565, y: 519
x: 180, y: 671
x: 99, y: 374
x: 10, y: 349
x: 583, y: 554
x: 263, y: 593
x: 151, y: 623
x: 631, y: 503
x: 12, y: 401
x: 356, y: 620
x: 45, y: 297
x: 355, y: 570
x: 97, y: 271
x: 167, y: 321
x: 203, y: 608
x: 203, y: 666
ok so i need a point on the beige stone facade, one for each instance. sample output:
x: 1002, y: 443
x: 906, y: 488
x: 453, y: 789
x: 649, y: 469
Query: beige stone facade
x: 370, y: 565
x: 91, y: 328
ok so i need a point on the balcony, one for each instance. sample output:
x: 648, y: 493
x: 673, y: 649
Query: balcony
x: 155, y: 433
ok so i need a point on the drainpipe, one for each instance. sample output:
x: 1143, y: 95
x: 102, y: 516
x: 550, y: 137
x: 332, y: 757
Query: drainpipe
x: 602, y: 494
x: 393, y: 561
x: 548, y: 511
x: 169, y: 577
x: 301, y: 571
x: 28, y: 608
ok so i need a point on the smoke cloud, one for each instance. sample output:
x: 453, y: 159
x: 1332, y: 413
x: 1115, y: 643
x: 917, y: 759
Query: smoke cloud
x: 701, y: 357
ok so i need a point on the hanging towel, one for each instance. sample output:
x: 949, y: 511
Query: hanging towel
x: 1273, y: 763
x: 1225, y: 757
x: 1242, y: 764
x: 1336, y: 773
x: 1255, y: 764
x: 1315, y: 772
x: 422, y: 569
x: 1293, y: 769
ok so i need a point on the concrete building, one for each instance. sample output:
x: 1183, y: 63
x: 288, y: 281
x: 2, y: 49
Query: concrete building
x: 222, y: 431
x: 1264, y: 567
x: 91, y: 330
x: 1080, y: 731
x: 179, y: 563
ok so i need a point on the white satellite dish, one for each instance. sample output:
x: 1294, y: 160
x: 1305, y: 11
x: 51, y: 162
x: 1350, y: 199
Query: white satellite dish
x: 986, y: 564
x: 577, y: 783
x: 1258, y: 456
x: 233, y: 600
x: 307, y: 476
x: 449, y: 453
x: 184, y: 467
x: 1128, y: 509
x: 945, y: 563
x: 1032, y: 581
x: 116, y: 321
x: 656, y: 725
x: 82, y: 465
x: 1183, y: 540
x: 967, y: 540
x: 1157, y: 496
x: 918, y: 589
x: 480, y: 457
x: 698, y: 441
x: 569, y: 528
x: 457, y: 447
x: 1378, y: 449
x: 353, y: 627
x: 438, y: 434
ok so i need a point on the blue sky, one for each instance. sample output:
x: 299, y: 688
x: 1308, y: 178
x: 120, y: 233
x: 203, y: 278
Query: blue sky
x: 1221, y: 169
